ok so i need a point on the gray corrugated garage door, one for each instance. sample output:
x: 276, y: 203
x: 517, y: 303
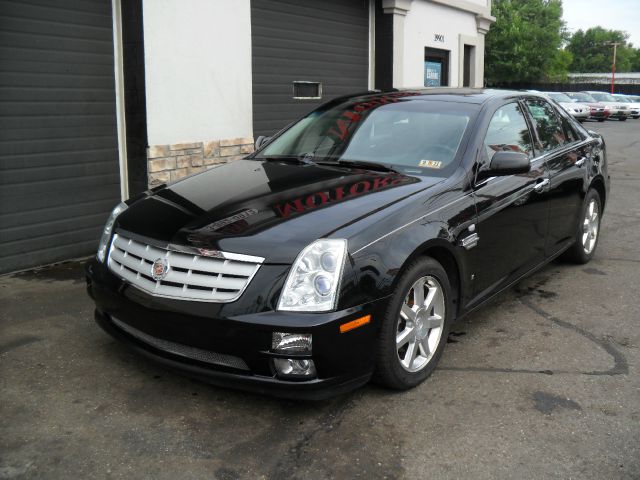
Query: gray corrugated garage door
x: 305, y: 40
x: 59, y: 172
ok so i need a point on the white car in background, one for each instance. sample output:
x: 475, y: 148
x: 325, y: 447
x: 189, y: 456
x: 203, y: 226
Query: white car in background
x: 632, y: 104
x: 617, y: 109
x: 577, y: 110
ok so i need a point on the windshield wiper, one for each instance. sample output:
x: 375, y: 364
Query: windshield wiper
x: 366, y: 165
x: 304, y: 159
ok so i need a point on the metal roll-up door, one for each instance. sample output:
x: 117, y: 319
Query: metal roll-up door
x: 310, y: 41
x: 59, y: 173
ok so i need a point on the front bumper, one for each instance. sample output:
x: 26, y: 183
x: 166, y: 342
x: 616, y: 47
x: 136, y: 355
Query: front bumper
x: 233, y: 349
x: 619, y: 114
x: 580, y: 115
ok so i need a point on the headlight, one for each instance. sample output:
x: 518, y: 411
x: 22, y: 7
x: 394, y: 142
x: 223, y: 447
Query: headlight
x: 108, y: 229
x: 312, y: 284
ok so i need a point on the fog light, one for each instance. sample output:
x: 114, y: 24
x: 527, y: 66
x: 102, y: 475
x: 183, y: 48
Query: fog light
x: 296, y: 343
x: 291, y: 342
x: 294, y: 367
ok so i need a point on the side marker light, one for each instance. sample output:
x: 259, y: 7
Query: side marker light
x: 358, y: 322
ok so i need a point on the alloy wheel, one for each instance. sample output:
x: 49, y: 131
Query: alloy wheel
x: 420, y: 324
x: 590, y: 226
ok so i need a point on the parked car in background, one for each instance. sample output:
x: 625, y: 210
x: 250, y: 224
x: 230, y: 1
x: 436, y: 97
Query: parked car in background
x: 633, y: 105
x: 577, y: 110
x: 597, y: 111
x: 617, y: 109
x: 346, y: 246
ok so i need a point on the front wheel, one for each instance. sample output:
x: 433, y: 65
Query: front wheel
x: 415, y: 326
x: 623, y: 119
x: 588, y: 229
x: 601, y: 119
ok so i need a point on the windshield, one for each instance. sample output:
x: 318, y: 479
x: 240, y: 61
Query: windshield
x: 582, y: 97
x: 560, y: 97
x: 622, y: 98
x: 603, y: 97
x: 421, y: 136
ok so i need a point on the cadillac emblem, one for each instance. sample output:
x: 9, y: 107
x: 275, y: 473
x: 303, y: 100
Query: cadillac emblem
x: 159, y: 269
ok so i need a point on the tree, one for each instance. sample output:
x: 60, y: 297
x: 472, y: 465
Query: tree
x: 523, y: 44
x: 635, y: 61
x: 558, y: 69
x: 592, y: 51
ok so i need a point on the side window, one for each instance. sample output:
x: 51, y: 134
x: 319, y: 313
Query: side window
x: 547, y: 124
x: 570, y: 131
x: 508, y: 130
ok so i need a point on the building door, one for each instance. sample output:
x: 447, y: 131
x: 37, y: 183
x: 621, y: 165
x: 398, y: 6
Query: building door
x: 303, y: 54
x: 59, y: 173
x: 436, y: 67
x: 468, y: 66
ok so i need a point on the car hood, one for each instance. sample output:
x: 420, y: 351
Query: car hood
x: 269, y: 209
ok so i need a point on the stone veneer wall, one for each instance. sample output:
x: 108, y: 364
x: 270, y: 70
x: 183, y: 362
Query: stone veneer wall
x: 166, y: 163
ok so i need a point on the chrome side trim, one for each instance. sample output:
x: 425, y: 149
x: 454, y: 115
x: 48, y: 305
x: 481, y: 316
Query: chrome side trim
x: 470, y: 241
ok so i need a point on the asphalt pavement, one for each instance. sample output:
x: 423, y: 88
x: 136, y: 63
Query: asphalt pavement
x: 543, y: 382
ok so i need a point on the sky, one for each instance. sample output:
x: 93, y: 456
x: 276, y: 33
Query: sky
x: 610, y: 14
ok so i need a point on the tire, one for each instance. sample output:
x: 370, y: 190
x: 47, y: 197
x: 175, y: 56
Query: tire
x: 581, y: 252
x: 601, y: 119
x: 424, y: 332
x: 622, y: 119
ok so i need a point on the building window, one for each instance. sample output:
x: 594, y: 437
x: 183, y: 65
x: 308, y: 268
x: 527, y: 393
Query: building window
x: 303, y: 90
x: 436, y: 67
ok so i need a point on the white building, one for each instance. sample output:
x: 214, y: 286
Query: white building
x: 104, y: 100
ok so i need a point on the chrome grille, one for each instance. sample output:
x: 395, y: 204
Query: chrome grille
x: 194, y: 353
x: 188, y: 277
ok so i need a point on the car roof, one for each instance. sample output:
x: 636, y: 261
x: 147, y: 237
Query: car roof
x: 461, y: 95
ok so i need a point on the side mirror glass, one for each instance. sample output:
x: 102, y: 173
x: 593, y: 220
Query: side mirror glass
x: 261, y: 140
x: 506, y: 163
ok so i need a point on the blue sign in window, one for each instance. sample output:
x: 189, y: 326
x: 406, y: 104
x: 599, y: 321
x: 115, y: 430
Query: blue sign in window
x: 432, y: 74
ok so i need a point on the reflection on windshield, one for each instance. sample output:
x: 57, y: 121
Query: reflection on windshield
x: 420, y: 135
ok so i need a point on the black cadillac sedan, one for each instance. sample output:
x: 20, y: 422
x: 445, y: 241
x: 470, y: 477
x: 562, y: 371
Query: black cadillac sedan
x: 346, y: 245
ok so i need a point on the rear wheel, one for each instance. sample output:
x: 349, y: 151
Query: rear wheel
x: 415, y: 326
x: 588, y: 229
x: 622, y: 119
x: 601, y: 119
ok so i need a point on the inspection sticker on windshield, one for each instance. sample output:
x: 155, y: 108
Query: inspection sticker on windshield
x: 430, y: 164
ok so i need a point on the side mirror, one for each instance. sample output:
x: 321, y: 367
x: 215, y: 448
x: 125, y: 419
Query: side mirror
x: 505, y: 162
x: 261, y: 140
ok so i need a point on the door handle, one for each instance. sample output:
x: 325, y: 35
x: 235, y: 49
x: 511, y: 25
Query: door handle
x: 580, y: 162
x: 540, y: 186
